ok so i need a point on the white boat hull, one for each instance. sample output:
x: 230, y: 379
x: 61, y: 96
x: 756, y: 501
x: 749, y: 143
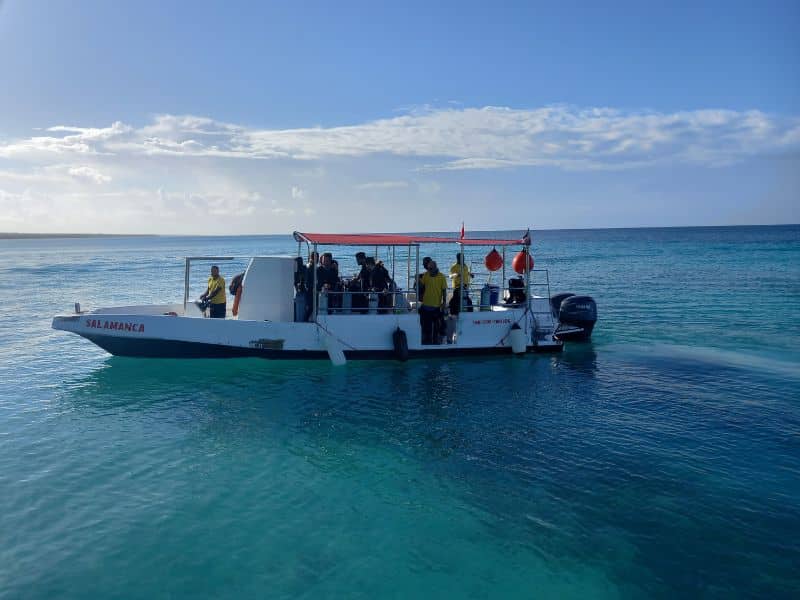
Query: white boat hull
x: 164, y: 331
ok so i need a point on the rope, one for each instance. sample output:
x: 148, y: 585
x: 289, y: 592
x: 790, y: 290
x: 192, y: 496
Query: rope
x: 517, y: 322
x: 338, y: 339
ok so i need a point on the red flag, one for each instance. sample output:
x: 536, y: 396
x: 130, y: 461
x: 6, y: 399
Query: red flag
x: 462, y: 230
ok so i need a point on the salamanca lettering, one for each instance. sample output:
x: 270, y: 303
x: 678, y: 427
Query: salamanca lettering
x: 115, y: 325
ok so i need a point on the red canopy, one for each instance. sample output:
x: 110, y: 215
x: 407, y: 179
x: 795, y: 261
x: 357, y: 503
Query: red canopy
x: 395, y: 239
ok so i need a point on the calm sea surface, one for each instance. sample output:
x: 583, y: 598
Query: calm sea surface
x: 662, y: 460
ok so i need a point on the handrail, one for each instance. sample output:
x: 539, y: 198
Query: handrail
x: 187, y: 268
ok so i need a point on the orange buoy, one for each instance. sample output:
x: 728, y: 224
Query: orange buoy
x: 493, y: 260
x: 519, y: 261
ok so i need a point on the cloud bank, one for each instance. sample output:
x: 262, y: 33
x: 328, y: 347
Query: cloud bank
x: 473, y: 138
x: 176, y: 164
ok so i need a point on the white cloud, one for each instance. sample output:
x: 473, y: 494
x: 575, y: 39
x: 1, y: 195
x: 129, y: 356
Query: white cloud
x: 382, y: 185
x: 89, y: 173
x: 282, y: 210
x: 469, y: 138
x: 192, y: 174
x: 200, y: 204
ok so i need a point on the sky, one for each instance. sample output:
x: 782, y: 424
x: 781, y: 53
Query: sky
x: 260, y: 117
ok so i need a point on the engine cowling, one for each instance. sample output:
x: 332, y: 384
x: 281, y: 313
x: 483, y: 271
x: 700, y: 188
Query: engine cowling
x: 577, y: 315
x: 555, y: 302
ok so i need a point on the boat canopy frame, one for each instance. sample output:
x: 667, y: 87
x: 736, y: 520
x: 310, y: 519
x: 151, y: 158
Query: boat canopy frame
x: 188, y: 267
x: 393, y: 240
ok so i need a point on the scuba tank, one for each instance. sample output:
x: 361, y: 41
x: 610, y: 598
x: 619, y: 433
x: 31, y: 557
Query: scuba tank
x: 486, y: 297
x: 373, y: 303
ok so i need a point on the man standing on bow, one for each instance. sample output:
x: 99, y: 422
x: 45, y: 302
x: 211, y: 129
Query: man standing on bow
x: 434, y: 298
x: 215, y: 294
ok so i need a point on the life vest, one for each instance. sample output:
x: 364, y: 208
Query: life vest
x: 236, y: 299
x: 235, y: 289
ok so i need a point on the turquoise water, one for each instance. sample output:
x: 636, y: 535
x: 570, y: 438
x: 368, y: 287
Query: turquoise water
x: 661, y: 460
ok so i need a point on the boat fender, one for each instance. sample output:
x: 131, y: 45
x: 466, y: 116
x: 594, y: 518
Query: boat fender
x: 400, y: 342
x: 519, y: 343
x: 335, y: 350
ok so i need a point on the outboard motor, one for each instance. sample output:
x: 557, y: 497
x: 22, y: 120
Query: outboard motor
x: 576, y: 316
x: 555, y: 302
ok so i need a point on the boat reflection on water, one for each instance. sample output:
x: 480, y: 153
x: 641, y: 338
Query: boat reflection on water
x: 581, y: 358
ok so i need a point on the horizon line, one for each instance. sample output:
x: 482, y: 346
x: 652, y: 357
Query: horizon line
x: 5, y: 235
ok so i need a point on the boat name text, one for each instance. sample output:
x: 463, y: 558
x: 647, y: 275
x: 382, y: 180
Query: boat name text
x: 116, y: 325
x: 491, y: 321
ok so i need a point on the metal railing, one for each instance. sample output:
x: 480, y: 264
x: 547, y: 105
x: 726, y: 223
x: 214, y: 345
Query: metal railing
x: 189, y: 260
x: 347, y: 302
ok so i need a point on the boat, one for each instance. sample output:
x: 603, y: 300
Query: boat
x: 279, y: 317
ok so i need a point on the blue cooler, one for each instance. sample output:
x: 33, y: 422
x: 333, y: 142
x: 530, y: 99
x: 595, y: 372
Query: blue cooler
x: 486, y: 297
x: 494, y: 295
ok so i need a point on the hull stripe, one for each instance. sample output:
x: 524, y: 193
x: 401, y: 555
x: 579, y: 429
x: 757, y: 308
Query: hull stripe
x: 154, y: 348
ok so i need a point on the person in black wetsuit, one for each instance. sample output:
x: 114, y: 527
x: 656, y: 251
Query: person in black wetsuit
x: 300, y: 275
x: 363, y: 273
x: 327, y: 275
x: 380, y: 281
x: 310, y: 268
x: 360, y: 283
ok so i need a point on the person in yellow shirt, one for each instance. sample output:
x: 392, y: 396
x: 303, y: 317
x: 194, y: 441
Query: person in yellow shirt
x: 459, y: 273
x: 434, y: 299
x: 215, y: 294
x: 461, y: 276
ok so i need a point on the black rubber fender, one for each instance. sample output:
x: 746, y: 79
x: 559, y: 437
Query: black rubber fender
x: 400, y: 343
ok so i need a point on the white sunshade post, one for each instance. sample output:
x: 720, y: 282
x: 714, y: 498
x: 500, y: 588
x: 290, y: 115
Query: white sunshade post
x: 503, y: 282
x: 393, y: 257
x: 408, y: 269
x: 527, y: 274
x: 461, y: 279
x: 186, y: 282
x: 416, y: 282
x: 314, y: 282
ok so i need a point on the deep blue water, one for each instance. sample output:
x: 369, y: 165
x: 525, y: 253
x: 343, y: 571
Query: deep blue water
x: 660, y: 460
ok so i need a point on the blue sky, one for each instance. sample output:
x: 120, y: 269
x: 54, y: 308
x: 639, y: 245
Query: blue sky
x: 200, y: 117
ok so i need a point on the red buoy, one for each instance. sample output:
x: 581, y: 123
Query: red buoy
x: 519, y: 262
x: 493, y: 260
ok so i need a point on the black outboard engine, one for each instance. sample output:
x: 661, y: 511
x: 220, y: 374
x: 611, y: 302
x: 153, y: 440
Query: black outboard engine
x: 555, y: 302
x: 576, y: 316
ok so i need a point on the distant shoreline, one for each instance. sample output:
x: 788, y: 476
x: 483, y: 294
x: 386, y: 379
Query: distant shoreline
x: 24, y: 236
x: 470, y: 233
